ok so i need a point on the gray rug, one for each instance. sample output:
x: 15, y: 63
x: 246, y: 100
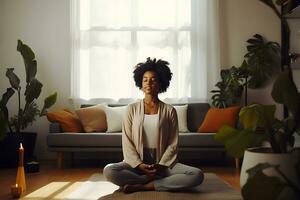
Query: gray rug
x: 213, y: 188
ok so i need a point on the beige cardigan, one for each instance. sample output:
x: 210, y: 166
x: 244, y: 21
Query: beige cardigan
x: 132, y: 133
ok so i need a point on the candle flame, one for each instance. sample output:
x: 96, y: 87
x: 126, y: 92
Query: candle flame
x: 16, y: 184
x: 21, y: 146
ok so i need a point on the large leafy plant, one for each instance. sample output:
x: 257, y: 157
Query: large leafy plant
x: 28, y: 113
x: 261, y: 62
x: 259, y: 123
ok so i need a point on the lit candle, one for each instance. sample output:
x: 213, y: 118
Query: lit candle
x: 16, y: 191
x: 21, y: 155
x: 20, y: 179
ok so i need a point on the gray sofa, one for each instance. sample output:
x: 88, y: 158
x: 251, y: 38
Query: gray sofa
x: 192, y: 145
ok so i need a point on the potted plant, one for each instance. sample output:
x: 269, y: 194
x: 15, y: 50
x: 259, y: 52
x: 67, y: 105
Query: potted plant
x: 270, y: 172
x: 261, y: 62
x: 259, y: 125
x: 12, y: 126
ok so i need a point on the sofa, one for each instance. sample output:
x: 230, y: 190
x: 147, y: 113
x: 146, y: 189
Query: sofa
x: 192, y: 145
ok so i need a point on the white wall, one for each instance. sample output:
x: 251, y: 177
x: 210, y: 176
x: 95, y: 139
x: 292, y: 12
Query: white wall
x: 44, y: 26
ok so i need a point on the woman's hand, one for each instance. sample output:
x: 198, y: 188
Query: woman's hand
x: 147, y: 169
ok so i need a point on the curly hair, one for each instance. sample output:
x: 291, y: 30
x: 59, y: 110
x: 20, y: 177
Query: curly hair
x: 160, y: 67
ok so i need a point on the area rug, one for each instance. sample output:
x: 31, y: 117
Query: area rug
x: 96, y: 188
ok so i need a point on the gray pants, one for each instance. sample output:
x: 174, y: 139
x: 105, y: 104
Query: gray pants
x: 180, y: 177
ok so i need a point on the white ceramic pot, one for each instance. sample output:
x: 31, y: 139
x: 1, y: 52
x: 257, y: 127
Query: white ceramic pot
x: 286, y: 161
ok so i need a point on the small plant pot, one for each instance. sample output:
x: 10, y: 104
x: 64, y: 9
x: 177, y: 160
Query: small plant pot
x: 32, y: 167
x: 10, y: 145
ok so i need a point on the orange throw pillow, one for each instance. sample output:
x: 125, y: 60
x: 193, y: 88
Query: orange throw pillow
x: 215, y: 118
x: 68, y: 121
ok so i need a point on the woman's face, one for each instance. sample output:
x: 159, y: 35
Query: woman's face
x: 150, y: 83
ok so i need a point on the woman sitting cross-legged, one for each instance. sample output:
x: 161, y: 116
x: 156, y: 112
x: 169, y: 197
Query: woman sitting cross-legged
x: 150, y: 139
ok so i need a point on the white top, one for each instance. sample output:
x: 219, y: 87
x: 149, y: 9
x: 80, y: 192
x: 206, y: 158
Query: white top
x: 151, y: 131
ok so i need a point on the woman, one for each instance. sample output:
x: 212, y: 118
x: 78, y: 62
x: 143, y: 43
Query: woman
x: 150, y: 139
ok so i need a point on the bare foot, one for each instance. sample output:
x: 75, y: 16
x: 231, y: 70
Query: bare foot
x: 132, y: 188
x: 138, y: 187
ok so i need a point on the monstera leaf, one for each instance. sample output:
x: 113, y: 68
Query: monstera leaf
x: 230, y: 88
x: 264, y: 60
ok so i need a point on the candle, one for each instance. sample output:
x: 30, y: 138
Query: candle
x: 16, y: 191
x: 21, y: 155
x: 20, y: 179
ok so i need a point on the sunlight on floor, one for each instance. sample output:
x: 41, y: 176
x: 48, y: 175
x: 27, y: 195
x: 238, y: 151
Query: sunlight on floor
x: 54, y: 190
x: 94, y: 188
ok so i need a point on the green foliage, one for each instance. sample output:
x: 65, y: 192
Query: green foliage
x: 236, y: 141
x: 48, y: 102
x: 261, y: 62
x: 256, y: 115
x: 285, y: 92
x: 28, y: 116
x: 263, y: 59
x: 278, y: 132
x: 230, y: 89
x: 29, y: 113
x: 259, y: 186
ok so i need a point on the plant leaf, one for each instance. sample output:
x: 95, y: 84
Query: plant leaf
x: 3, y: 124
x: 48, y: 102
x: 6, y: 96
x: 284, y: 91
x: 33, y: 90
x: 28, y: 57
x: 249, y: 117
x: 263, y: 61
x: 28, y: 116
x: 257, y: 115
x: 237, y: 141
x: 13, y: 78
x: 261, y: 187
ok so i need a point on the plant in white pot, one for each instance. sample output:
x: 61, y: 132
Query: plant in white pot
x: 280, y: 159
x: 12, y: 126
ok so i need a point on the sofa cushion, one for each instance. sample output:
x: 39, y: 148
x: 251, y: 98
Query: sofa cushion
x: 69, y: 122
x: 114, y: 118
x: 195, y: 113
x: 217, y: 117
x: 115, y: 140
x: 182, y: 118
x: 84, y: 139
x: 198, y: 140
x: 93, y: 118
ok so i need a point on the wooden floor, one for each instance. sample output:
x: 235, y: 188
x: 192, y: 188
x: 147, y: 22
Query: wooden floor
x: 49, y: 173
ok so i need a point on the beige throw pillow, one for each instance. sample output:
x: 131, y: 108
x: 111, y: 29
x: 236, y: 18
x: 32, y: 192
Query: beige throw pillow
x: 93, y: 119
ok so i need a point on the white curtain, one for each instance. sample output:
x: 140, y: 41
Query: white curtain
x: 109, y: 37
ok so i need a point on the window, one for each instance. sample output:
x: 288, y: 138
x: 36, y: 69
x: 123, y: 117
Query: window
x: 109, y: 37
